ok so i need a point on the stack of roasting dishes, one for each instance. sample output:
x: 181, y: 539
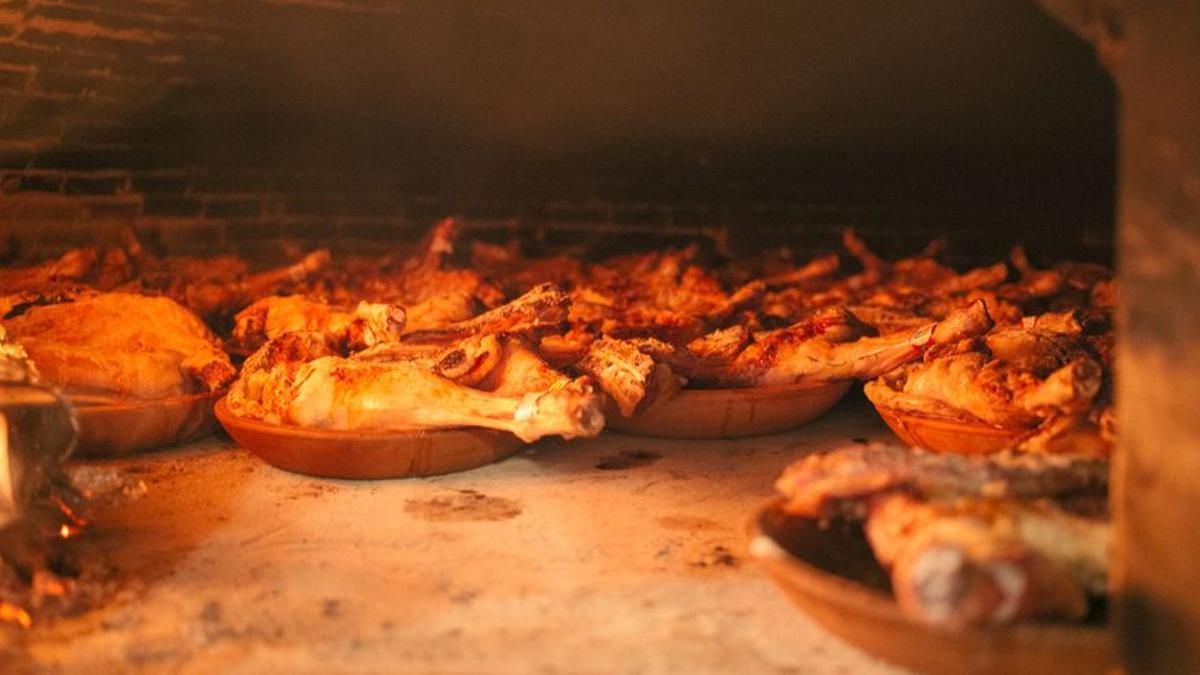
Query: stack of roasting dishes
x: 1009, y: 363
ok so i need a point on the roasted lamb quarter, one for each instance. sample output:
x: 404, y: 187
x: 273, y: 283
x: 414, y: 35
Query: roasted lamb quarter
x: 121, y: 345
x: 1033, y: 386
x: 968, y: 541
x: 348, y: 328
x: 297, y: 380
x: 962, y: 563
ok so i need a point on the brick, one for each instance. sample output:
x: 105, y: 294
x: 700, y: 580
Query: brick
x: 694, y: 216
x: 84, y: 158
x: 114, y: 208
x: 161, y: 183
x: 641, y: 216
x: 429, y: 211
x: 492, y: 211
x: 15, y: 80
x: 20, y: 55
x: 84, y: 185
x: 189, y: 236
x: 341, y: 205
x: 578, y: 214
x: 321, y: 230
x: 78, y: 44
x: 176, y: 206
x: 234, y: 208
x: 389, y: 231
x: 16, y: 159
x: 40, y: 183
x: 58, y: 81
x: 248, y: 231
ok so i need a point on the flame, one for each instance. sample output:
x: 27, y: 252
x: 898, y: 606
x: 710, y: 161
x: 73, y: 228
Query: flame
x: 14, y: 614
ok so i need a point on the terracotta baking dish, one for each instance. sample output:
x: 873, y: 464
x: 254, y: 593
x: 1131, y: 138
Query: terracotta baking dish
x: 368, y: 455
x: 111, y: 426
x: 949, y: 434
x: 731, y: 413
x: 830, y: 573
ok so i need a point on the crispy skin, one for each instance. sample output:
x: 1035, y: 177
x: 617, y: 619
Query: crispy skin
x: 845, y: 480
x: 15, y: 365
x: 829, y: 345
x: 296, y: 380
x: 969, y: 562
x: 969, y: 540
x: 627, y: 374
x: 122, y: 344
x: 542, y: 310
x: 72, y: 266
x: 1017, y: 378
x: 362, y: 326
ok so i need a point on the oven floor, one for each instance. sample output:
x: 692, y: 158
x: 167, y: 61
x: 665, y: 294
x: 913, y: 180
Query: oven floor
x: 619, y: 554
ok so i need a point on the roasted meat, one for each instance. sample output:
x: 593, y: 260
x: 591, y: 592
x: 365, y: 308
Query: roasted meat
x: 628, y: 374
x: 969, y: 562
x: 845, y: 480
x: 123, y: 345
x: 362, y: 326
x: 1022, y: 377
x: 969, y: 540
x: 72, y: 266
x: 297, y: 380
x: 830, y: 345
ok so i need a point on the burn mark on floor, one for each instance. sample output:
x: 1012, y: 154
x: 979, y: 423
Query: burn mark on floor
x: 627, y: 459
x: 715, y: 557
x: 463, y: 505
x: 690, y: 523
x: 310, y: 490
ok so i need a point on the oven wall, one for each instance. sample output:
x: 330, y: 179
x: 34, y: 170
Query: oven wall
x: 238, y: 121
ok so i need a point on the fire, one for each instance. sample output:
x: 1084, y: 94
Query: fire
x: 75, y: 521
x: 13, y: 614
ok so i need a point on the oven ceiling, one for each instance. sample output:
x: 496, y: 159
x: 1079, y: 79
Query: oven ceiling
x: 947, y: 103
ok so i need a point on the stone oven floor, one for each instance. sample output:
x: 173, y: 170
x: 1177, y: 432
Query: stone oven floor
x: 619, y: 554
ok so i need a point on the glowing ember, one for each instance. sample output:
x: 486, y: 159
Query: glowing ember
x: 14, y: 614
x: 75, y: 521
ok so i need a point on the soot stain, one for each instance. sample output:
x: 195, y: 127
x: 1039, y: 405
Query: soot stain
x: 463, y: 505
x: 690, y: 523
x: 627, y: 459
x: 715, y: 557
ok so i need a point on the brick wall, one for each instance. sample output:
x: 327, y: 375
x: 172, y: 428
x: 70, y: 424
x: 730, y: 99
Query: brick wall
x: 232, y: 122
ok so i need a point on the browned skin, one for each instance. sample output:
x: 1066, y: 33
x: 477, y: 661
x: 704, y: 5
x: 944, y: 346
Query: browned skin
x: 542, y: 310
x: 1032, y: 375
x: 830, y: 345
x: 627, y: 374
x: 348, y: 328
x: 969, y: 562
x: 74, y: 265
x: 843, y: 481
x: 122, y: 344
x: 295, y: 381
x: 969, y: 540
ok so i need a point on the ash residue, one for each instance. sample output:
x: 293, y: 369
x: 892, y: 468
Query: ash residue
x: 717, y: 556
x: 463, y: 505
x: 627, y: 459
